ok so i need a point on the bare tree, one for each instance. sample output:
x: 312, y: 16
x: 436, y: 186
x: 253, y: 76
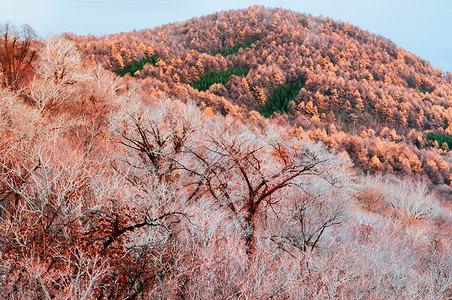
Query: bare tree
x: 245, y: 173
x: 41, y: 210
x: 16, y: 54
x: 312, y: 213
x: 59, y: 70
x: 143, y: 223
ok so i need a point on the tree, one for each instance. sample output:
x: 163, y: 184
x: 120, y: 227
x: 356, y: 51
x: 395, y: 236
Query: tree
x: 59, y: 69
x: 245, y: 173
x: 311, y: 216
x: 16, y: 54
x: 154, y: 142
x: 40, y: 225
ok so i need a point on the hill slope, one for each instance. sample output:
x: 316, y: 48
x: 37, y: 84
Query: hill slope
x: 359, y: 92
x: 145, y: 187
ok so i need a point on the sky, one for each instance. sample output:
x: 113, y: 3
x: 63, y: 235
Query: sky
x: 423, y: 27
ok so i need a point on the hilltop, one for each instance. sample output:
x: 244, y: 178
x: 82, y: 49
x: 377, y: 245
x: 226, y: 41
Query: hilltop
x: 331, y: 81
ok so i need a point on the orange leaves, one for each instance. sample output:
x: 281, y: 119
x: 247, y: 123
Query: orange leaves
x: 259, y: 94
x: 209, y: 112
x: 375, y: 163
x: 372, y: 200
x: 277, y: 79
x: 310, y: 108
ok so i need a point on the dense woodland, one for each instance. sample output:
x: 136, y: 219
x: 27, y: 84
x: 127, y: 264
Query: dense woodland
x: 361, y: 92
x: 248, y: 154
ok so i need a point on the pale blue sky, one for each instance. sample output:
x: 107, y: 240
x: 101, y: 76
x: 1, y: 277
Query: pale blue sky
x: 423, y: 27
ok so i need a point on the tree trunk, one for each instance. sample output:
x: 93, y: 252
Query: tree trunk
x: 249, y: 234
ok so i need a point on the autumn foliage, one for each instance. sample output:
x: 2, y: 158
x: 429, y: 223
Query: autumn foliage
x: 144, y: 187
x: 350, y: 78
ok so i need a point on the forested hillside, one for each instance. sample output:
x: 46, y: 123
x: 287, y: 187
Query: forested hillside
x: 359, y: 91
x: 248, y: 154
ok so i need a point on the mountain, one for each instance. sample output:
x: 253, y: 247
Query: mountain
x: 255, y: 153
x: 336, y: 83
